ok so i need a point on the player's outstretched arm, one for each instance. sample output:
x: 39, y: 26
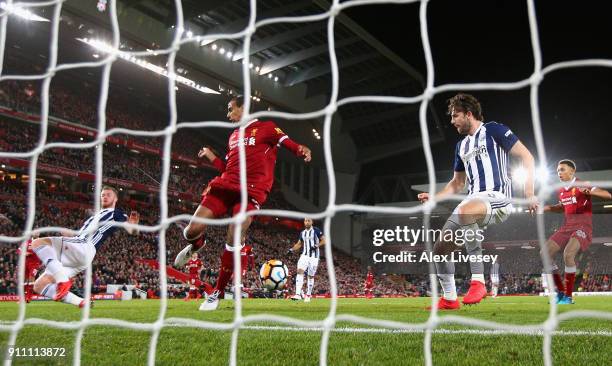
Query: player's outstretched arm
x: 597, y: 192
x: 455, y: 185
x: 554, y: 208
x: 210, y: 154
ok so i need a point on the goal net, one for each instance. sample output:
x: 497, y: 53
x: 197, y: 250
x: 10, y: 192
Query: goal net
x: 14, y: 9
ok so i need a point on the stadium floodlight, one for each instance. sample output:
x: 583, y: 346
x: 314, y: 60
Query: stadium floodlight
x: 214, y: 47
x: 269, y: 76
x: 222, y: 50
x: 542, y: 174
x: 21, y: 12
x: 276, y: 78
x: 519, y: 175
x: 107, y: 48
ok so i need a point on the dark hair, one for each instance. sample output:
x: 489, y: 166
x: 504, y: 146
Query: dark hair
x: 109, y: 188
x: 239, y: 99
x: 465, y: 103
x: 568, y: 162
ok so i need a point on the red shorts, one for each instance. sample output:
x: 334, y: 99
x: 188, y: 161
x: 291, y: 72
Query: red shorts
x: 220, y: 200
x: 584, y: 234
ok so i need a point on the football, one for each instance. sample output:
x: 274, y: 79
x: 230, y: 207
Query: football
x: 273, y: 274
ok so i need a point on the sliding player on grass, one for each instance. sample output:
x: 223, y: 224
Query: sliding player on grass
x: 66, y: 256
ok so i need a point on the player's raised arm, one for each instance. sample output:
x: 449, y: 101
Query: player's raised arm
x: 281, y: 139
x: 210, y: 154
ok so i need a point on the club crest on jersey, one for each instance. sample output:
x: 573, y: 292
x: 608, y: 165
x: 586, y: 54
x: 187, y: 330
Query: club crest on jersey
x: 253, y: 132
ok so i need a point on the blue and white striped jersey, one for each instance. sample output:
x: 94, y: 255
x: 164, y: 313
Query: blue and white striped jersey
x: 484, y: 158
x: 310, y: 239
x: 105, y: 229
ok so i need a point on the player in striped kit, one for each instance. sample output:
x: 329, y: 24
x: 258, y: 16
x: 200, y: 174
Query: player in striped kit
x: 311, y: 240
x: 66, y: 256
x: 481, y: 158
x: 576, y: 232
x: 494, y: 279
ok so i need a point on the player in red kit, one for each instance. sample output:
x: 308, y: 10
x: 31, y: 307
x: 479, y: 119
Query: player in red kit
x: 194, y: 266
x: 261, y: 141
x: 576, y: 232
x: 32, y: 264
x: 369, y: 283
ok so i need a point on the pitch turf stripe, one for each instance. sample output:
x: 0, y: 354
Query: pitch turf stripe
x: 437, y: 331
x: 603, y: 333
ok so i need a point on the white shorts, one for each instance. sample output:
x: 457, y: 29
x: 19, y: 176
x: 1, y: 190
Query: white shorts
x: 75, y: 254
x: 308, y: 264
x: 498, y: 205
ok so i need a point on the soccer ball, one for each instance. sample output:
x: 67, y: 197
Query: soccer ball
x: 273, y: 274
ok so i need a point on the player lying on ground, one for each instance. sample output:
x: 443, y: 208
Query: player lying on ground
x: 577, y: 230
x: 311, y: 240
x: 66, y: 256
x: 222, y: 195
x: 481, y: 157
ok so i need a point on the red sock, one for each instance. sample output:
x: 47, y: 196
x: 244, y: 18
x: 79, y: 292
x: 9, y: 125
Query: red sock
x: 558, y: 282
x: 569, y: 283
x: 226, y: 270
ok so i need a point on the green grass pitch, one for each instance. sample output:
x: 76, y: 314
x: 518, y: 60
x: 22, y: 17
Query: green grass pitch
x: 582, y: 341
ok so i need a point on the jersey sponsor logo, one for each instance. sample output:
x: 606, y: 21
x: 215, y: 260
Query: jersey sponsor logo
x: 247, y: 141
x: 581, y: 234
x: 478, y: 153
x: 508, y: 133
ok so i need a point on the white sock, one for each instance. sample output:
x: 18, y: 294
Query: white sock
x: 70, y: 298
x: 48, y: 257
x: 570, y: 269
x: 494, y: 290
x: 299, y: 283
x: 478, y: 277
x: 448, y: 286
x: 310, y: 285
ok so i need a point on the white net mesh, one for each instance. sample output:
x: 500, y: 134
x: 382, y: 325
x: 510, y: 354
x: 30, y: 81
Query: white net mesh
x: 9, y: 8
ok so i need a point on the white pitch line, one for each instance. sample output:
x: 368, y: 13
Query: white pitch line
x: 492, y: 332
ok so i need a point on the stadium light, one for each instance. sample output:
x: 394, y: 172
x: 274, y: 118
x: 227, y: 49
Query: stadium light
x: 21, y: 12
x: 542, y: 174
x: 519, y: 175
x: 107, y: 48
x: 221, y: 50
x: 269, y: 76
x: 276, y: 78
x: 214, y: 47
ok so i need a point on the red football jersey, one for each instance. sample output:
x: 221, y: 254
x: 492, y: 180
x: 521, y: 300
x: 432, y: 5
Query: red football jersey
x: 261, y: 141
x: 369, y: 279
x: 577, y: 205
x: 194, y: 266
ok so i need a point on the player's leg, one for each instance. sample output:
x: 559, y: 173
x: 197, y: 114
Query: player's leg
x: 302, y: 266
x: 227, y: 265
x: 312, y: 270
x: 471, y: 214
x: 46, y: 286
x: 553, y: 246
x: 569, y: 258
x: 48, y: 251
x: 194, y: 234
